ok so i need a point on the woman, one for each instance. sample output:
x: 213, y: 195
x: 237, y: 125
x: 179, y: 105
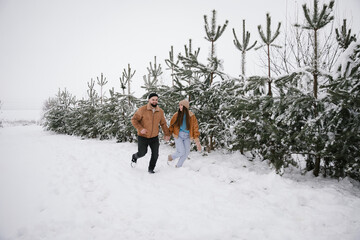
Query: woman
x: 184, y: 127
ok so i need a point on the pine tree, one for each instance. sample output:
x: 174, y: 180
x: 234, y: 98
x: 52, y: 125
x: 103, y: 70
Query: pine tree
x: 92, y: 94
x: 204, y: 97
x: 244, y: 47
x: 151, y: 79
x: 123, y: 82
x: 87, y: 113
x: 314, y: 22
x: 187, y: 68
x: 178, y: 66
x: 344, y: 37
x: 114, y: 118
x: 213, y: 33
x: 190, y: 54
x: 268, y: 41
x: 126, y: 132
x: 128, y: 75
x: 57, y: 113
x: 170, y: 65
x: 155, y: 70
x: 101, y: 82
x: 342, y: 118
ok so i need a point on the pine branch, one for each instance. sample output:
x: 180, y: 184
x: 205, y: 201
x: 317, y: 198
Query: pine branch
x: 344, y: 38
x: 236, y: 41
x: 276, y: 33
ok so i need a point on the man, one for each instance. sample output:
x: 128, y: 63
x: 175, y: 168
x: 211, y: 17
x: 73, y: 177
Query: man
x: 146, y: 120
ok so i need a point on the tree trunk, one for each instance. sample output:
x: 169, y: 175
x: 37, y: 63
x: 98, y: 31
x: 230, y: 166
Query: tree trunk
x: 243, y: 63
x: 315, y: 74
x: 101, y: 95
x: 212, y: 56
x: 189, y: 86
x: 269, y: 80
x: 317, y: 165
x: 129, y: 89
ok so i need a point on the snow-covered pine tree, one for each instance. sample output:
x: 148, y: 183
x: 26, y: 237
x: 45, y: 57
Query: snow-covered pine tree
x: 108, y: 116
x: 89, y: 118
x: 272, y: 139
x: 120, y: 115
x: 127, y: 77
x: 182, y: 79
x: 294, y: 115
x: 268, y: 40
x: 205, y: 103
x: 87, y: 113
x: 113, y: 118
x: 211, y: 106
x: 213, y: 33
x: 243, y: 130
x: 342, y: 116
x: 168, y: 63
x: 125, y: 107
x: 101, y: 82
x: 269, y: 126
x: 314, y: 22
x: 123, y: 83
x: 188, y: 50
x: 182, y: 72
x: 205, y: 99
x: 244, y: 46
x: 68, y: 102
x: 151, y: 80
x: 190, y: 53
x: 258, y: 129
x: 230, y: 93
x: 183, y: 68
x: 56, y: 113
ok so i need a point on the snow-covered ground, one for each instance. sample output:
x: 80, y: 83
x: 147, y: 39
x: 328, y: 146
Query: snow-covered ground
x: 19, y: 117
x: 58, y: 187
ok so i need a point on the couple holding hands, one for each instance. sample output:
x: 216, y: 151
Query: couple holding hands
x: 183, y: 126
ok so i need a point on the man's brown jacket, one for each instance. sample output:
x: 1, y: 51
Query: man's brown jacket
x: 150, y: 118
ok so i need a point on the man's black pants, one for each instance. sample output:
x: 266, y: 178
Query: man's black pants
x: 143, y: 144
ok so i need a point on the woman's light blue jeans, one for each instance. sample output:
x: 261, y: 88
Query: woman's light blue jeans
x: 182, y: 144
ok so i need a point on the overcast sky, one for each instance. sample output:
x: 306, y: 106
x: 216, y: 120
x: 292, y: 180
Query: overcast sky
x: 50, y: 44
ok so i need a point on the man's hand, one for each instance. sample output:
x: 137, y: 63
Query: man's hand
x: 143, y: 131
x: 167, y: 138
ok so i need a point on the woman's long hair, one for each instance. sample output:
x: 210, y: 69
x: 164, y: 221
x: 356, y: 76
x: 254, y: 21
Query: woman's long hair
x: 180, y: 117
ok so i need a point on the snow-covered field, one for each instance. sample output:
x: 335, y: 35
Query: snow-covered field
x: 20, y: 117
x: 62, y: 187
